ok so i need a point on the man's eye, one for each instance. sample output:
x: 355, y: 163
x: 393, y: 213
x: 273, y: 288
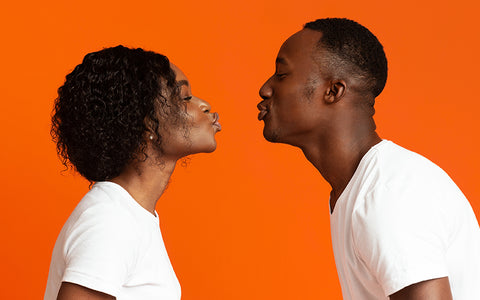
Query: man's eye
x: 280, y: 75
x: 188, y: 98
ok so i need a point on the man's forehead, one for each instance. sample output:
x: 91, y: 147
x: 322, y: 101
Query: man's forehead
x: 300, y: 44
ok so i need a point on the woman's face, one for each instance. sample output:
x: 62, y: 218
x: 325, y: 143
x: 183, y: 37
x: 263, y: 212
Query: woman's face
x: 201, y: 124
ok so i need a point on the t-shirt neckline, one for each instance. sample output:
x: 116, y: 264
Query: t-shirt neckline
x: 130, y: 200
x: 360, y: 164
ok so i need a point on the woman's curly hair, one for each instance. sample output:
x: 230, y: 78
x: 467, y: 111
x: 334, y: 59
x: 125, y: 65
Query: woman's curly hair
x: 107, y: 105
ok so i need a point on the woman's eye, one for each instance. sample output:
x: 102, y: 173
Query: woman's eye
x: 188, y: 98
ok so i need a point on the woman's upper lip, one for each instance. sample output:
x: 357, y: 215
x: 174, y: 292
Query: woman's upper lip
x: 215, y: 121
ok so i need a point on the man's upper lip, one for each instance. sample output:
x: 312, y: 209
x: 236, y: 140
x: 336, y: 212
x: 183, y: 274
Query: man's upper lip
x: 261, y: 105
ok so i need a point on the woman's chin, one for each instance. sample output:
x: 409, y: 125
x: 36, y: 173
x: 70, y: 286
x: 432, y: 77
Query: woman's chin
x: 207, y: 148
x: 211, y: 148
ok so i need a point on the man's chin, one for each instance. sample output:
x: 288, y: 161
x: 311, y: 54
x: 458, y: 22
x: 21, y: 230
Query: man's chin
x: 270, y: 136
x: 275, y: 137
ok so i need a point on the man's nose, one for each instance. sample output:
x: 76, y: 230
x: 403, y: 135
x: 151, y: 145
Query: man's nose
x: 266, y: 91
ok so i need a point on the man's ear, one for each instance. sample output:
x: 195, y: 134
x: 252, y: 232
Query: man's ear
x: 335, y: 91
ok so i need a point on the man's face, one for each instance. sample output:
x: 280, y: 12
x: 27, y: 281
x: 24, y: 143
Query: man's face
x: 290, y: 106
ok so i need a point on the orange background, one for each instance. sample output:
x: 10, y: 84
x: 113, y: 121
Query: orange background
x: 249, y: 221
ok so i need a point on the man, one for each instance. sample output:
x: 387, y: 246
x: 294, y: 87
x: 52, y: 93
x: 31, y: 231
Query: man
x: 401, y: 229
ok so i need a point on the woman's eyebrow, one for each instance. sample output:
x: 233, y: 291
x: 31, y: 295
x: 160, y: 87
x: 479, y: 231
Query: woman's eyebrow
x: 182, y: 82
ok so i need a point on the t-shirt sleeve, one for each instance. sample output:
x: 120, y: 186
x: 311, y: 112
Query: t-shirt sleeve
x: 99, y: 252
x: 400, y: 237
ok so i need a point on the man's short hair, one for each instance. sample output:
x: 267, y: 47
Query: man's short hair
x: 354, y: 50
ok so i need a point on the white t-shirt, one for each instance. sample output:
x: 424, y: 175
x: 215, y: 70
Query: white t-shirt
x: 113, y: 245
x: 402, y: 220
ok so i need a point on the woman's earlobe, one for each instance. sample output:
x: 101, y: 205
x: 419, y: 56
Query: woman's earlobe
x: 149, y: 136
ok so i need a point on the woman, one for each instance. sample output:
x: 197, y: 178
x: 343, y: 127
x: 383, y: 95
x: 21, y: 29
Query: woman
x: 122, y: 120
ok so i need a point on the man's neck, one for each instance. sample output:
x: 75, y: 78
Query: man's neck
x: 337, y: 158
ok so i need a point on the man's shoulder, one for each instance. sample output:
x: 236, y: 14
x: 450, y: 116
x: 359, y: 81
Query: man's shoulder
x: 393, y: 173
x: 394, y: 161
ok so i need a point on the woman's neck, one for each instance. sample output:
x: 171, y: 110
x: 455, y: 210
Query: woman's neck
x: 146, y: 181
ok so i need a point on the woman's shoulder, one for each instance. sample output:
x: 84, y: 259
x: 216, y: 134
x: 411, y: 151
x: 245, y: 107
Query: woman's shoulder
x: 102, y: 209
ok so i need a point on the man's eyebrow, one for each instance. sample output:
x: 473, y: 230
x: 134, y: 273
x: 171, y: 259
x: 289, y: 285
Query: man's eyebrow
x: 182, y: 82
x: 280, y: 60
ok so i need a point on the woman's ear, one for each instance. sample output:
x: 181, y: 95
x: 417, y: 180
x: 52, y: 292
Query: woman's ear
x: 335, y: 91
x: 149, y: 134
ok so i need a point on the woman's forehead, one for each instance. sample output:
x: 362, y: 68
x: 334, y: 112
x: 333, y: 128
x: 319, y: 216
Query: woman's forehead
x: 179, y: 73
